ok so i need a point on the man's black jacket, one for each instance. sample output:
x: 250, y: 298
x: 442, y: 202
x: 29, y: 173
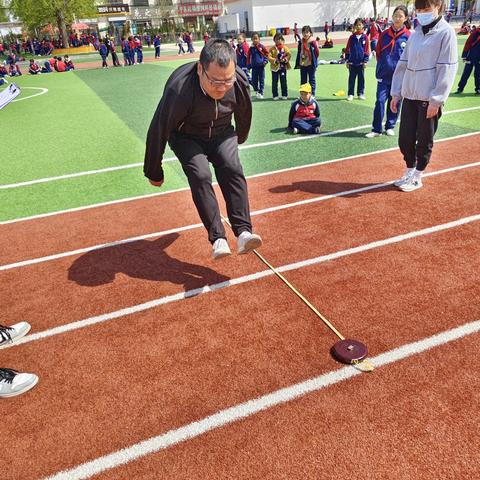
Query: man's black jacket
x: 185, y: 108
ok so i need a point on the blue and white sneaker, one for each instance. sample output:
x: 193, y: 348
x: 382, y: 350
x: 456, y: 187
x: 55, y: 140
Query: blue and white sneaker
x: 413, y: 183
x: 406, y: 177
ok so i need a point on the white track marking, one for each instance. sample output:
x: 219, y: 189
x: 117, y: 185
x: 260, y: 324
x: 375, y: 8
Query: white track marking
x: 240, y: 280
x: 252, y: 407
x: 79, y: 251
x: 171, y: 159
x: 274, y: 172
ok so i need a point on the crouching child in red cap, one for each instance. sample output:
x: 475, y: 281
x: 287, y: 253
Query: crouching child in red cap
x: 304, y: 114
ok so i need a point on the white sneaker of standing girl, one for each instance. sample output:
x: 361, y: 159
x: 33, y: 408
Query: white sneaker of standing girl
x: 413, y: 183
x: 404, y: 179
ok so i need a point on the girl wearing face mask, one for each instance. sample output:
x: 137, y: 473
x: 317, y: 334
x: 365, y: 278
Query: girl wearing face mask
x: 390, y: 47
x: 423, y: 78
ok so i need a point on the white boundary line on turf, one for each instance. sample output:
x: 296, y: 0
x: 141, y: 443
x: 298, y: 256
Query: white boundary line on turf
x: 252, y: 407
x: 33, y: 261
x: 171, y: 159
x: 43, y: 91
x: 239, y: 281
x: 168, y: 192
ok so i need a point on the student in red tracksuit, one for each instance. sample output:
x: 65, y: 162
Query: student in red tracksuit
x: 374, y: 32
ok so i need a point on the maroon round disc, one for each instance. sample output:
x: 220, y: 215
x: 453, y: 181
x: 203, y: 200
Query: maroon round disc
x: 349, y: 351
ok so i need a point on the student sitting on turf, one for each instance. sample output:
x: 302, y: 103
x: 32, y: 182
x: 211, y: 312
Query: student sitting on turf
x: 69, y: 64
x: 3, y: 70
x: 14, y: 69
x: 60, y: 65
x: 257, y: 59
x: 357, y: 54
x: 33, y: 68
x: 279, y: 58
x: 328, y: 43
x: 47, y: 68
x: 304, y: 114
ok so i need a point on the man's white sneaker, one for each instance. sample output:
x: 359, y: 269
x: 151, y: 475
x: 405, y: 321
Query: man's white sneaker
x: 350, y: 98
x: 373, y: 134
x: 276, y: 98
x: 220, y: 249
x: 406, y: 177
x: 413, y: 183
x: 361, y: 97
x: 13, y: 383
x: 284, y: 98
x: 390, y: 132
x: 15, y: 332
x: 247, y: 241
x: 260, y: 96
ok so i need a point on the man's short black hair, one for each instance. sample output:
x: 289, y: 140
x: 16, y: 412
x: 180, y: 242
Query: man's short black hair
x: 219, y: 51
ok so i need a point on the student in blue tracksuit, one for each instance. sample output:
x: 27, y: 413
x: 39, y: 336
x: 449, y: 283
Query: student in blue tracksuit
x: 241, y: 50
x: 126, y: 52
x: 257, y: 58
x: 357, y: 54
x: 390, y: 47
x: 103, y: 51
x: 471, y: 57
x: 157, y: 43
x: 139, y: 49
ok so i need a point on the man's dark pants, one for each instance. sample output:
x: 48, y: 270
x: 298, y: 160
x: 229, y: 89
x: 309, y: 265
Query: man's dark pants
x: 221, y: 151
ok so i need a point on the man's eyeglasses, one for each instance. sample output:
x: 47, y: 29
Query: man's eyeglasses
x: 220, y: 83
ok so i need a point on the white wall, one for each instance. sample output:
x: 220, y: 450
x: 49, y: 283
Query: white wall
x: 240, y: 7
x: 228, y: 23
x: 283, y: 13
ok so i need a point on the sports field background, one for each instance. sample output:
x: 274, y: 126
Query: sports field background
x: 95, y: 119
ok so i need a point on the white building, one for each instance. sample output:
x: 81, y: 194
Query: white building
x: 260, y: 15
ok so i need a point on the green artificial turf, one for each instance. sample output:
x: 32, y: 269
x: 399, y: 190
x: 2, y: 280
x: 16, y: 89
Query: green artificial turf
x: 94, y: 119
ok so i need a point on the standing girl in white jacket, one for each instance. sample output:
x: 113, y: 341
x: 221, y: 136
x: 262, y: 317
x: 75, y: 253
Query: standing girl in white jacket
x: 423, y: 78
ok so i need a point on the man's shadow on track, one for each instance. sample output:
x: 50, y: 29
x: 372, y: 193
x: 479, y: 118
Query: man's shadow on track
x: 321, y: 187
x: 141, y: 259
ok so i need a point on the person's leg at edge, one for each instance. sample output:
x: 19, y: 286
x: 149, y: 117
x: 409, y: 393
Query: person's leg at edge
x: 379, y: 109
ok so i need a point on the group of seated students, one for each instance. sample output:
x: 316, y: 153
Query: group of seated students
x: 10, y: 67
x: 54, y: 63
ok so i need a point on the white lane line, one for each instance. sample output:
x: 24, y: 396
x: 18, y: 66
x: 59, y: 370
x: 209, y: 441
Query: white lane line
x: 79, y: 251
x: 252, y: 407
x: 274, y: 172
x: 240, y: 280
x: 171, y: 159
x: 42, y: 92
